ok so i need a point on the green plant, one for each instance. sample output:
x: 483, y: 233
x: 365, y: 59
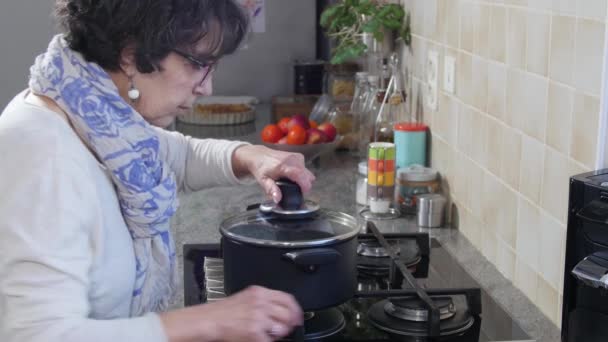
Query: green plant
x: 347, y: 20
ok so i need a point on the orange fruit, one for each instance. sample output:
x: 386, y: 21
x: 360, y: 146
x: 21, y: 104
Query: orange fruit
x: 271, y: 134
x: 296, y: 135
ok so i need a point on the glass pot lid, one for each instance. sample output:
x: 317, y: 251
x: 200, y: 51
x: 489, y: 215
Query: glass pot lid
x: 325, y: 228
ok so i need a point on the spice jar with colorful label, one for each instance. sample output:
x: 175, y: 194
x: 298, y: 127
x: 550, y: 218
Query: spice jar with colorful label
x: 412, y: 182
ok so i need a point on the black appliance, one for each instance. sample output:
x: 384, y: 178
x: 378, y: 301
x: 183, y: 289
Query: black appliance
x: 309, y: 77
x: 585, y: 307
x: 408, y: 289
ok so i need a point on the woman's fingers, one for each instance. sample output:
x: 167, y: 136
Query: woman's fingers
x: 285, y: 308
x: 302, y: 176
x: 273, y: 165
x: 277, y: 312
x: 271, y: 189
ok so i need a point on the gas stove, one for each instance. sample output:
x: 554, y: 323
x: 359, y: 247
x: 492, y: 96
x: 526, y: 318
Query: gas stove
x: 408, y: 289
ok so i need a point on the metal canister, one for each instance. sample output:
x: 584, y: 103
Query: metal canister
x: 431, y: 209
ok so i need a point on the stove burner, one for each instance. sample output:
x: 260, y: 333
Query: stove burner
x: 322, y: 324
x: 413, y: 309
x: 455, y: 316
x: 369, y: 284
x: 374, y: 250
x: 408, y: 251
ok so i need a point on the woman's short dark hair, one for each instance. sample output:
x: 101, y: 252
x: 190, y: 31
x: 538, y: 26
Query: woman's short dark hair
x: 101, y: 29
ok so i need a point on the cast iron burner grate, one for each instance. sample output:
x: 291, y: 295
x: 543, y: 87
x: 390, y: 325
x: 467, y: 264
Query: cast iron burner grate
x: 431, y: 302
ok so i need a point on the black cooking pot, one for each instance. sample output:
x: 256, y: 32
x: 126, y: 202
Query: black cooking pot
x: 312, y: 257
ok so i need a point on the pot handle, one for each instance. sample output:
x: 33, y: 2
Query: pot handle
x: 313, y: 257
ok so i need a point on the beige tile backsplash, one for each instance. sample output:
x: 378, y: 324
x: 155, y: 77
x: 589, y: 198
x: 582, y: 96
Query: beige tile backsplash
x: 528, y: 233
x: 533, y: 121
x: 505, y: 260
x: 497, y: 90
x: 480, y: 83
x: 464, y: 78
x: 584, y: 128
x: 589, y: 54
x: 566, y: 7
x: 537, y: 48
x: 452, y: 22
x: 553, y: 233
x: 493, y: 141
x: 467, y: 26
x: 498, y: 31
x: 523, y: 119
x: 548, y: 299
x: 510, y: 156
x: 559, y: 117
x: 481, y: 30
x: 516, y: 37
x: 526, y: 279
x: 554, y: 196
x: 531, y: 172
x: 595, y: 9
x: 561, y: 60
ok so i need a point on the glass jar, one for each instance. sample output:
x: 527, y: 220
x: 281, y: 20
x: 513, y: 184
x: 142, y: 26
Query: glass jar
x: 361, y: 190
x: 341, y: 80
x: 412, y: 182
x: 346, y: 123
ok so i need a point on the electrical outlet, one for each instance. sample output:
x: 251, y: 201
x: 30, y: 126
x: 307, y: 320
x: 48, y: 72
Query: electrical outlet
x: 432, y: 75
x: 449, y: 74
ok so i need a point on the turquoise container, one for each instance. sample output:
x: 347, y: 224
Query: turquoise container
x: 410, y: 144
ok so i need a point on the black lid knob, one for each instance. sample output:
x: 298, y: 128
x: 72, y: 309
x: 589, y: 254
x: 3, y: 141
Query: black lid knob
x: 291, y: 194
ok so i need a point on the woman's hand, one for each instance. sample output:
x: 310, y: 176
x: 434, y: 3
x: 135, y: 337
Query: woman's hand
x: 268, y: 165
x: 255, y: 314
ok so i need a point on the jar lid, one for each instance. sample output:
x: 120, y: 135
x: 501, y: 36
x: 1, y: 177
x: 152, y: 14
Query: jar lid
x: 363, y: 168
x: 432, y: 199
x: 410, y: 127
x: 416, y: 173
x: 361, y: 74
x: 343, y: 68
x: 325, y: 228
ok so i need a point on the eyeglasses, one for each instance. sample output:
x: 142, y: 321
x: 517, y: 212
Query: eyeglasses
x: 206, y: 66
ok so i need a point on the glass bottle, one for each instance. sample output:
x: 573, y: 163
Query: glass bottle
x: 356, y: 109
x: 385, y: 119
x: 361, y: 87
x: 368, y: 112
x: 385, y: 76
x: 380, y: 115
x: 393, y: 105
x: 397, y: 101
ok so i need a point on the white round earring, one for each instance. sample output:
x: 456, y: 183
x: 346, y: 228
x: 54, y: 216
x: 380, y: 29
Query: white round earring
x: 133, y: 92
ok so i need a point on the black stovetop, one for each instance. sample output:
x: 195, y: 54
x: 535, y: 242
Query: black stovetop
x: 434, y: 271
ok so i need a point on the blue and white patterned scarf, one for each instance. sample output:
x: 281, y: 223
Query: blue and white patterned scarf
x: 128, y: 146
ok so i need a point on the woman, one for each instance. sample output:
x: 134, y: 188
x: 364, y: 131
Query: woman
x: 89, y: 180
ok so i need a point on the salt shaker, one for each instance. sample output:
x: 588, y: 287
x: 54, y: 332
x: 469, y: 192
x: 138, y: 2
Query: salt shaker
x: 361, y: 191
x: 430, y: 210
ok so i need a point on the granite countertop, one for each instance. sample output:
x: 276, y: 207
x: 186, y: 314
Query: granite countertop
x: 200, y: 214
